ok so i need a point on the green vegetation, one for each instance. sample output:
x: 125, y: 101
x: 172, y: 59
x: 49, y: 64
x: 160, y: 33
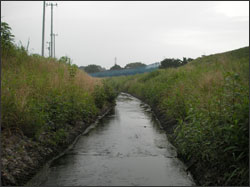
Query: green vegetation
x: 92, y: 68
x: 204, y: 106
x: 116, y: 67
x: 134, y: 65
x: 174, y: 63
x: 43, y: 95
x: 45, y: 104
x: 6, y: 37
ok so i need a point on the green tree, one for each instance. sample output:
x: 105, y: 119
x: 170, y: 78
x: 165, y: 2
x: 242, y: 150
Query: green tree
x: 65, y: 60
x: 92, y: 68
x: 134, y: 65
x: 7, y: 37
x: 115, y: 67
x: 186, y: 60
x: 174, y: 63
x: 170, y: 62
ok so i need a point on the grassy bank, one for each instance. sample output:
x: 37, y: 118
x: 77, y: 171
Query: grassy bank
x: 45, y: 103
x: 204, y: 107
x: 40, y: 94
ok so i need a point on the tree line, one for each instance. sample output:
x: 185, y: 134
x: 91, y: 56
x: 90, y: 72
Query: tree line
x: 166, y: 63
x: 93, y: 68
x: 174, y: 63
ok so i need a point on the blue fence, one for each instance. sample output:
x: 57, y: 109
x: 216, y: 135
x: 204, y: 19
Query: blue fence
x: 111, y: 73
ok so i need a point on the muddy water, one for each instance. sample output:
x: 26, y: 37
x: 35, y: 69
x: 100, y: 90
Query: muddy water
x: 125, y: 148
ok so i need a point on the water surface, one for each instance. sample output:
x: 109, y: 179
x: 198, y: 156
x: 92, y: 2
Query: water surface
x: 125, y: 148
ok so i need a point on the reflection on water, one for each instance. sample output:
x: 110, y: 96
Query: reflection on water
x: 127, y: 147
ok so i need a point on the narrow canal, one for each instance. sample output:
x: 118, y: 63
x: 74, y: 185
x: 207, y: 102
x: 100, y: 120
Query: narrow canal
x: 125, y: 148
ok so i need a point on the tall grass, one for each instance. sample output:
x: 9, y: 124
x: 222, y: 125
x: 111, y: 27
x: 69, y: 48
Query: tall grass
x: 207, y: 100
x: 44, y: 95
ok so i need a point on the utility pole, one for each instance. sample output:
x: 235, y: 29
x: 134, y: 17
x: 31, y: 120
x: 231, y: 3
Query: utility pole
x: 55, y: 44
x: 51, y: 32
x: 115, y: 60
x: 43, y: 28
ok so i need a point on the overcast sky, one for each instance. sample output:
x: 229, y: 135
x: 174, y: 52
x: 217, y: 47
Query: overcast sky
x: 95, y: 32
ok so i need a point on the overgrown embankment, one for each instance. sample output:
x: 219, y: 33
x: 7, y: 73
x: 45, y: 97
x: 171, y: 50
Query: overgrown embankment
x: 45, y: 104
x: 204, y: 108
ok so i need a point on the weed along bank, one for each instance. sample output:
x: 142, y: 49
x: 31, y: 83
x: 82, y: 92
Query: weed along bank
x: 127, y: 147
x: 45, y: 104
x: 44, y: 109
x: 204, y: 108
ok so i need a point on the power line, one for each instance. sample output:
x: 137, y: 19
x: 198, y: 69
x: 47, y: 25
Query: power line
x: 51, y: 32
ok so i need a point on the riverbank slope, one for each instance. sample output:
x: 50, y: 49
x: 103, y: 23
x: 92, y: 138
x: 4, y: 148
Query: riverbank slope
x: 204, y: 108
x: 45, y: 104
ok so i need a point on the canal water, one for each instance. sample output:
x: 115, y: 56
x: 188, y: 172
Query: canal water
x: 125, y: 148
